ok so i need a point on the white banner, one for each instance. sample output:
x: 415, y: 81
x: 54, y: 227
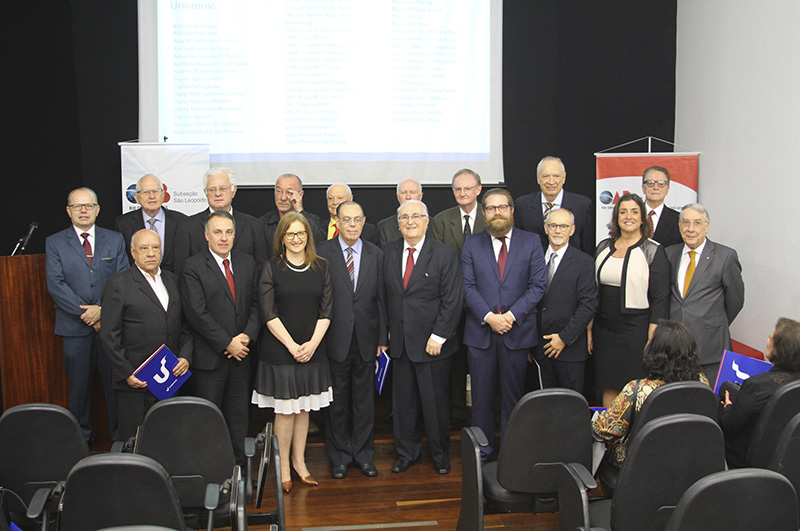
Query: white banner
x: 179, y: 166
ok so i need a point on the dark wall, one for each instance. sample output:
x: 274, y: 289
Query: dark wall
x: 578, y: 77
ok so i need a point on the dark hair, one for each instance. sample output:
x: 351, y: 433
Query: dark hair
x: 671, y: 355
x: 613, y: 226
x: 786, y: 345
x: 312, y: 259
x: 219, y: 214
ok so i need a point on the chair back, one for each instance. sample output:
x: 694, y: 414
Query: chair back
x: 39, y: 445
x: 546, y: 426
x: 784, y: 404
x: 662, y: 462
x: 110, y: 490
x: 470, y: 517
x: 786, y: 459
x: 673, y: 398
x: 750, y: 499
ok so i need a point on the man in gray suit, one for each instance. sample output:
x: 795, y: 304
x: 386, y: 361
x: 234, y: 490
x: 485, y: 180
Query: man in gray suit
x: 451, y: 227
x: 706, y: 288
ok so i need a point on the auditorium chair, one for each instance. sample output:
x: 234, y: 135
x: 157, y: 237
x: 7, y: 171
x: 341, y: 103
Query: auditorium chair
x: 781, y: 408
x: 546, y: 426
x: 668, y: 455
x: 745, y: 499
x: 470, y: 517
x: 669, y: 399
x: 39, y: 445
x: 786, y: 458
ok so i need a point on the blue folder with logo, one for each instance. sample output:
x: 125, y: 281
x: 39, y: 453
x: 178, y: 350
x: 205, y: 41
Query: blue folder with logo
x: 737, y: 368
x: 381, y: 368
x: 156, y: 371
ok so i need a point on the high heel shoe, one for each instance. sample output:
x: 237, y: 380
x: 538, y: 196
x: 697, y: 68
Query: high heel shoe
x: 287, y: 486
x: 308, y: 480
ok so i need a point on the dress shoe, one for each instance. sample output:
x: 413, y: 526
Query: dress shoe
x: 443, y: 468
x: 369, y: 470
x: 309, y: 480
x: 401, y: 465
x: 339, y: 471
x: 287, y: 486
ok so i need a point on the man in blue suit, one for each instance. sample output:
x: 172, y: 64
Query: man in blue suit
x: 79, y: 260
x: 504, y: 278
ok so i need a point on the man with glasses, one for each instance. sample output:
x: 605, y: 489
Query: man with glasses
x: 335, y: 195
x: 424, y: 297
x: 387, y: 228
x: 706, y: 287
x: 533, y: 208
x: 451, y: 227
x: 220, y: 189
x: 662, y: 219
x: 79, y: 260
x: 567, y: 307
x: 355, y: 337
x: 154, y: 216
x: 504, y: 278
x: 288, y: 198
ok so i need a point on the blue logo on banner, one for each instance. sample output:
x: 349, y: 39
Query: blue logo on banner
x: 130, y: 194
x: 606, y: 197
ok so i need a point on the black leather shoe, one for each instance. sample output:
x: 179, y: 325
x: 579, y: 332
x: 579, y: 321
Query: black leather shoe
x: 369, y: 470
x: 339, y: 471
x: 442, y: 469
x: 401, y: 465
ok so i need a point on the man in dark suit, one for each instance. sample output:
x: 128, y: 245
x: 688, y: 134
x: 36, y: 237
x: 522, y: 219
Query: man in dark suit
x: 288, y: 198
x: 335, y: 195
x: 451, y: 227
x: 79, y: 260
x: 504, y: 278
x: 356, y: 335
x: 220, y: 303
x: 706, y: 287
x: 424, y: 296
x: 220, y: 189
x: 387, y: 228
x: 662, y: 219
x: 567, y: 307
x: 532, y: 208
x: 152, y: 215
x: 141, y: 312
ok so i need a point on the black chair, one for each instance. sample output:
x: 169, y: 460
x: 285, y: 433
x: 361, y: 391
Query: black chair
x: 746, y: 499
x: 470, y: 517
x: 786, y: 459
x: 111, y: 490
x: 546, y: 426
x: 662, y: 462
x: 783, y: 405
x: 39, y: 445
x: 668, y: 399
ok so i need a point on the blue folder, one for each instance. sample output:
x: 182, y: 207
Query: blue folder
x: 156, y: 371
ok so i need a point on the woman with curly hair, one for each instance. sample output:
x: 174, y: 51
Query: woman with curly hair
x: 670, y: 356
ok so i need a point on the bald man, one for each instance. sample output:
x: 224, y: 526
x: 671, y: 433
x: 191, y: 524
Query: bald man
x: 335, y: 195
x: 288, y: 198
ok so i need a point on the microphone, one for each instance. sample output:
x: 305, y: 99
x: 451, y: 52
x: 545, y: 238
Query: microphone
x: 23, y: 242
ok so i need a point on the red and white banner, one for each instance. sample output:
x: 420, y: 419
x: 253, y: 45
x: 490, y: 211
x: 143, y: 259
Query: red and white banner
x: 621, y: 173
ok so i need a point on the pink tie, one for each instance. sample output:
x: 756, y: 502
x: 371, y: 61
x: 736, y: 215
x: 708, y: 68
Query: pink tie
x: 409, y: 267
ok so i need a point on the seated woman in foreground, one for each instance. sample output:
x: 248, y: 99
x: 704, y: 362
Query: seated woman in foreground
x: 740, y: 416
x: 670, y: 356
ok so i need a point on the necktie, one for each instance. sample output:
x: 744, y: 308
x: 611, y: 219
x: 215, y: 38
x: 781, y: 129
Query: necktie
x: 152, y: 223
x: 650, y: 221
x: 335, y: 232
x: 87, y: 247
x: 467, y: 230
x: 689, y: 273
x: 351, y: 270
x: 548, y: 208
x: 551, y: 268
x: 502, y: 256
x: 229, y: 277
x: 409, y: 266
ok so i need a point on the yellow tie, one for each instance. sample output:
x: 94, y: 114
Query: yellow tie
x: 689, y: 273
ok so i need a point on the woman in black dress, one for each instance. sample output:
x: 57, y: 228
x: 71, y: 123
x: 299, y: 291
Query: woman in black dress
x: 633, y: 277
x: 293, y: 375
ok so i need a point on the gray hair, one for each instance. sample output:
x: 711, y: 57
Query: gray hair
x: 82, y: 189
x: 328, y: 191
x: 465, y: 171
x: 412, y: 202
x: 216, y: 171
x: 697, y: 207
x: 571, y: 215
x: 143, y: 177
x: 548, y: 159
x: 404, y: 180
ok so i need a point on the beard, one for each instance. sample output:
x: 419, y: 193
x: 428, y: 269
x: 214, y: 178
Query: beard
x: 499, y: 226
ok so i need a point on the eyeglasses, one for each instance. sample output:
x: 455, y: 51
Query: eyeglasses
x: 695, y: 223
x: 556, y: 227
x: 550, y: 176
x: 215, y: 189
x: 497, y: 208
x: 152, y: 191
x: 300, y: 234
x: 464, y: 189
x: 348, y: 220
x: 77, y: 207
x: 405, y: 218
x: 652, y: 184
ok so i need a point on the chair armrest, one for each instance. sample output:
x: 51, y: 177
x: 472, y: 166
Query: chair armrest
x: 210, y: 503
x: 117, y: 447
x: 573, y: 502
x: 38, y: 504
x: 249, y: 451
x: 480, y: 437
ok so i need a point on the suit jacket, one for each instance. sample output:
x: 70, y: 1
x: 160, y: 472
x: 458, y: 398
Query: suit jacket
x: 72, y: 281
x: 714, y: 299
x: 667, y: 231
x: 448, y: 227
x: 131, y: 222
x: 191, y: 237
x: 519, y: 291
x: 134, y: 324
x: 363, y: 309
x: 528, y: 216
x: 209, y: 307
x: 269, y: 224
x: 431, y: 304
x: 569, y: 304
